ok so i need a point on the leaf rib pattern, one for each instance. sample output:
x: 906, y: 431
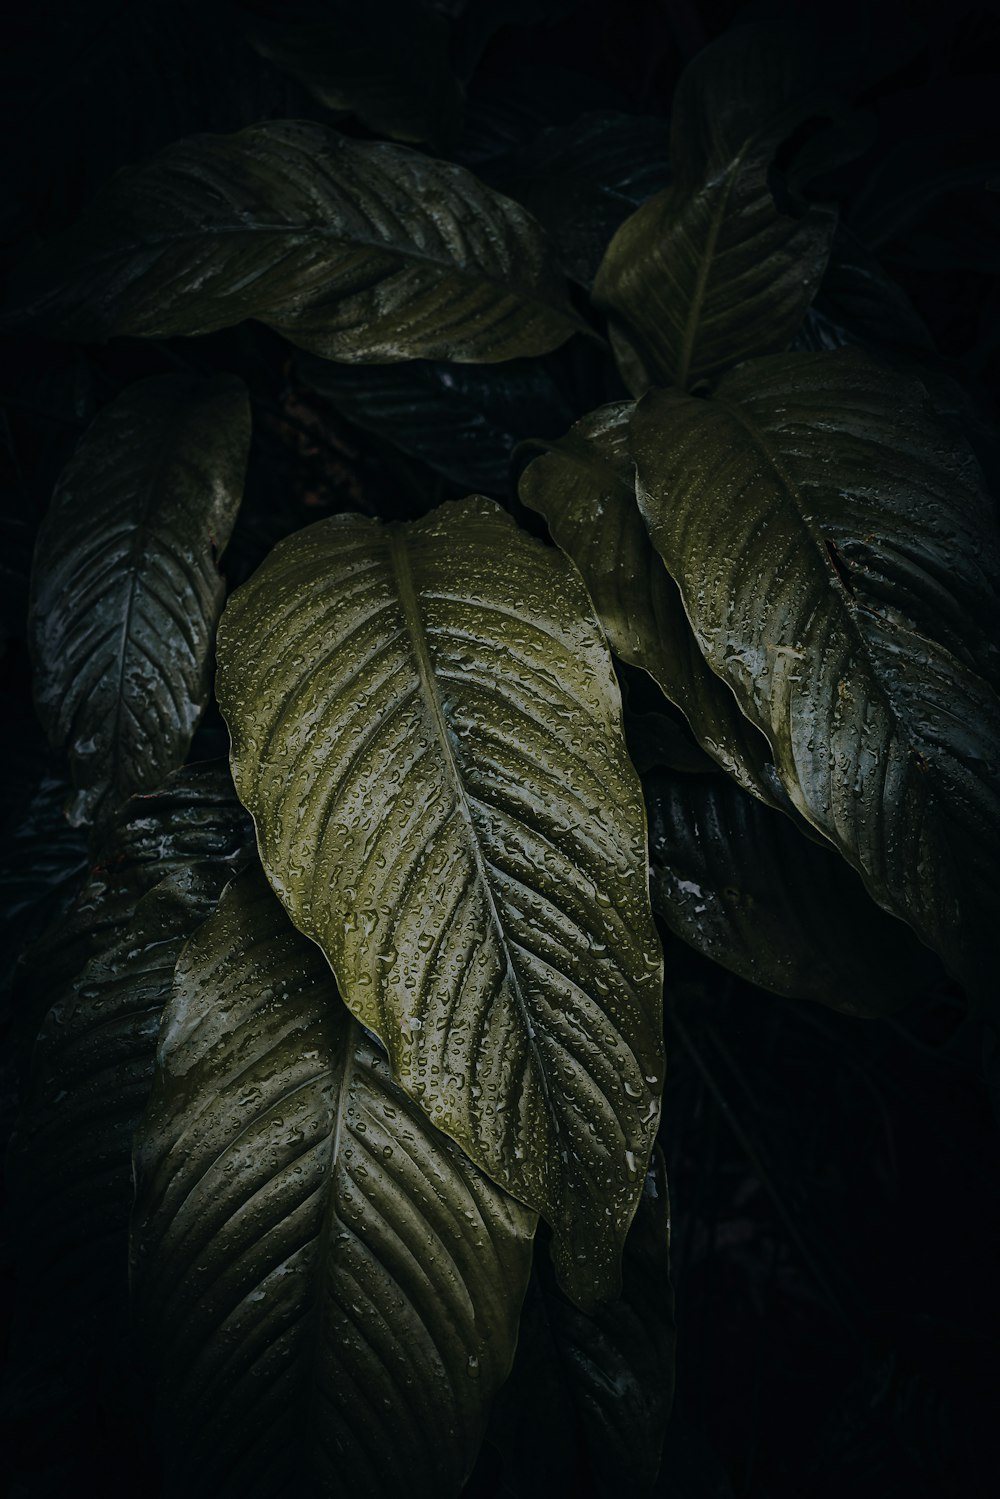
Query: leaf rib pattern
x: 328, y: 1288
x: 125, y: 587
x: 355, y: 250
x: 785, y: 531
x: 457, y: 824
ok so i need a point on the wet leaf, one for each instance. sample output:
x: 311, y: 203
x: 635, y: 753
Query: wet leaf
x: 739, y: 883
x: 582, y: 181
x: 427, y: 731
x: 125, y: 589
x: 584, y: 486
x: 193, y: 818
x: 838, y: 560
x: 607, y: 1377
x: 70, y: 1161
x: 356, y: 250
x: 386, y: 61
x: 327, y: 1288
x: 712, y: 270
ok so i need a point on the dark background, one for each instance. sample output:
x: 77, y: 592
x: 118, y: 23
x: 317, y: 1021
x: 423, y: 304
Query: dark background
x: 835, y: 1182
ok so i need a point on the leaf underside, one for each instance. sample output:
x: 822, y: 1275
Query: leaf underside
x: 125, y: 590
x: 427, y: 731
x: 329, y: 1288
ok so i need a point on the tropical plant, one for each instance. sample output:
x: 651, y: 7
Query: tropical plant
x: 343, y: 1059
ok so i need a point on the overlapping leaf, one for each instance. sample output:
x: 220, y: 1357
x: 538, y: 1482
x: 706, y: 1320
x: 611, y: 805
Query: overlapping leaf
x: 600, y: 1384
x: 427, y: 731
x: 838, y: 561
x: 386, y: 61
x: 584, y: 486
x: 739, y: 883
x: 125, y: 588
x: 70, y: 1161
x: 581, y: 181
x: 328, y: 1289
x: 711, y: 271
x: 462, y: 420
x: 355, y: 250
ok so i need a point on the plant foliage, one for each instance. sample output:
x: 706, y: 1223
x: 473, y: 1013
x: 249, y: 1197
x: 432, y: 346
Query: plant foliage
x: 341, y: 1062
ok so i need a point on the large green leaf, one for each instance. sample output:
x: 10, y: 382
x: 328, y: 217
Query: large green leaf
x: 69, y: 1168
x: 327, y: 1288
x: 839, y: 563
x: 712, y: 270
x: 584, y: 486
x: 386, y: 61
x: 125, y: 590
x: 427, y: 731
x: 356, y: 250
x: 596, y: 1386
x: 739, y: 883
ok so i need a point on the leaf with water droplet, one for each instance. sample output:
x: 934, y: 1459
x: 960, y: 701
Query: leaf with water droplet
x: 475, y: 645
x: 322, y: 1274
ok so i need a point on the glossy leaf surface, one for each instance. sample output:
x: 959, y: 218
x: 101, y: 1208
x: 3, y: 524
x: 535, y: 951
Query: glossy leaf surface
x: 194, y: 817
x: 711, y: 271
x: 584, y: 486
x: 838, y: 561
x: 605, y: 1379
x: 356, y: 250
x: 327, y: 1288
x: 385, y: 61
x: 739, y: 883
x: 427, y: 731
x: 125, y: 588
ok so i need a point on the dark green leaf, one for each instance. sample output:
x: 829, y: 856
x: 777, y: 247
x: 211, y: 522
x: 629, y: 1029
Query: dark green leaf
x: 43, y: 863
x: 584, y: 486
x: 355, y: 250
x: 712, y: 270
x: 427, y: 731
x: 70, y: 1161
x: 464, y: 420
x: 194, y: 817
x: 327, y: 1287
x: 858, y: 303
x: 741, y: 885
x: 607, y: 1378
x: 582, y: 181
x: 839, y: 563
x: 125, y: 587
x: 387, y: 61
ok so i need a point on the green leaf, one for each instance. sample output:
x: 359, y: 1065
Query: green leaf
x: 70, y: 1160
x: 386, y: 61
x: 581, y: 181
x: 606, y: 1378
x: 838, y: 560
x: 125, y: 590
x: 427, y: 731
x: 712, y: 270
x: 356, y: 250
x: 327, y: 1287
x: 858, y: 303
x: 584, y: 486
x: 739, y: 883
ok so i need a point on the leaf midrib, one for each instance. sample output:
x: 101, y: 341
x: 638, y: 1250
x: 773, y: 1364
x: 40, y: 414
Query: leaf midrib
x: 410, y: 605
